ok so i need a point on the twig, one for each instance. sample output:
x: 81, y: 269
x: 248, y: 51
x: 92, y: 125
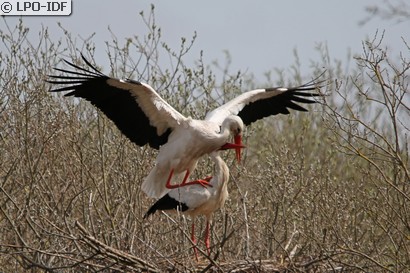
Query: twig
x: 122, y: 257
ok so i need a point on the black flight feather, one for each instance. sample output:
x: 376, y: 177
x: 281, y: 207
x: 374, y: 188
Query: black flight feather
x: 280, y: 104
x: 117, y: 104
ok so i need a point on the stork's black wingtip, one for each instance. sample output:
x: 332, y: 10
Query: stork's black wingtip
x: 146, y: 215
x: 150, y: 211
x: 67, y: 62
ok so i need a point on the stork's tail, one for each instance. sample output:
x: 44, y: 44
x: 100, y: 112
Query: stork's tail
x: 166, y: 203
x: 154, y: 188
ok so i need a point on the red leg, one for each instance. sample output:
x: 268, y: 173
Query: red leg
x: 207, y: 238
x: 194, y: 241
x: 168, y: 184
x: 202, y: 182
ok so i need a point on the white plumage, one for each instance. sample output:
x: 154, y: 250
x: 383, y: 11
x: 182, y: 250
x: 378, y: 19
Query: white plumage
x: 145, y: 118
x: 185, y: 146
x: 196, y: 200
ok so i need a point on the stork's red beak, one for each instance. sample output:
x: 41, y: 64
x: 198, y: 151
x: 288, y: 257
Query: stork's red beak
x: 237, y: 146
x: 238, y: 141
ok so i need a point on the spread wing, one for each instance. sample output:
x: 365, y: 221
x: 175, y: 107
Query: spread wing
x: 257, y: 104
x: 135, y: 108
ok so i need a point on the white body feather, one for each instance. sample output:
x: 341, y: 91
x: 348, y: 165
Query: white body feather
x: 201, y: 200
x: 186, y: 144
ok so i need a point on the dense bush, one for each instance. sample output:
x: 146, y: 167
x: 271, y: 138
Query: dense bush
x: 324, y: 190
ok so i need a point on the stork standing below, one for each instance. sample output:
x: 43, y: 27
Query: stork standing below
x: 195, y: 200
x: 145, y: 118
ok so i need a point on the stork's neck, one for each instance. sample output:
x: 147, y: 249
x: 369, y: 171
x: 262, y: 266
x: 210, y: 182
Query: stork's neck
x: 221, y: 175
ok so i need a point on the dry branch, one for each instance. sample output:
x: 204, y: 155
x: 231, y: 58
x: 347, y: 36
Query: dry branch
x: 114, y: 254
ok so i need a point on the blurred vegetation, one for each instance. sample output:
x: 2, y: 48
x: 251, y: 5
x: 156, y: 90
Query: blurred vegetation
x: 392, y: 10
x: 327, y: 190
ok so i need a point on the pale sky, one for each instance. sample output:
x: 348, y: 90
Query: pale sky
x: 260, y: 35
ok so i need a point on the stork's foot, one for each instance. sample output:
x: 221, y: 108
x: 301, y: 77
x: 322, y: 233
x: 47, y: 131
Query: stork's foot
x: 203, y: 182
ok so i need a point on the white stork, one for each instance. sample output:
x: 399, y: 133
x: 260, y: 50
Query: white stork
x: 145, y: 118
x: 196, y: 200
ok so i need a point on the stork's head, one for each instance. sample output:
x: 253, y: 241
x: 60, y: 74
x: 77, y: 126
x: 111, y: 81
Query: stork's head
x: 235, y: 126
